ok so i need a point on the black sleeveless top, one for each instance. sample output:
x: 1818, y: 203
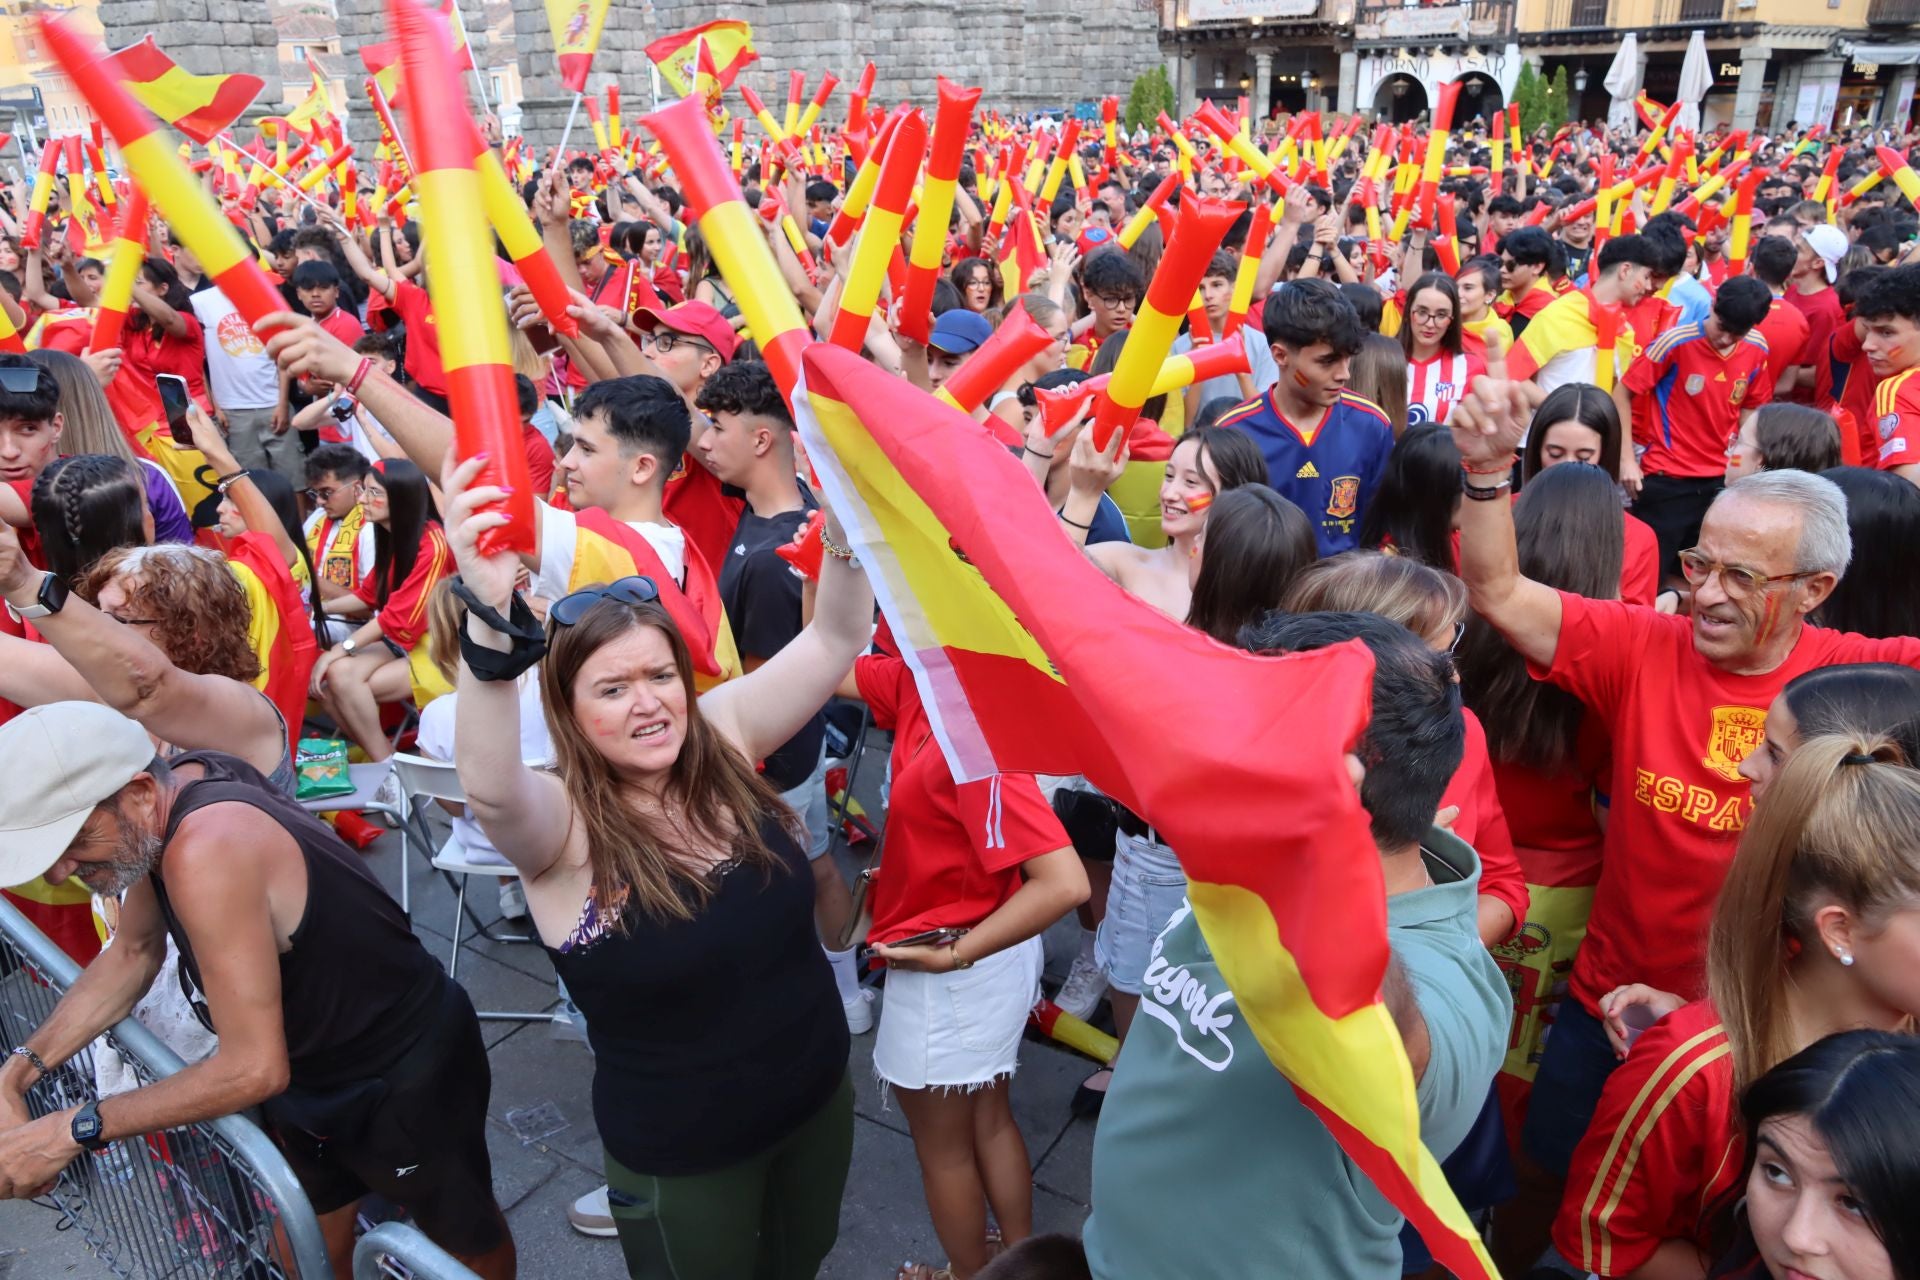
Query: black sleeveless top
x: 716, y: 1037
x: 356, y: 987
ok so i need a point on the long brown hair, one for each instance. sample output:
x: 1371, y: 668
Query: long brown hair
x: 1840, y: 822
x: 654, y: 864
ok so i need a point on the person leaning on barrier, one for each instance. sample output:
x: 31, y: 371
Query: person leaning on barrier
x: 329, y: 1011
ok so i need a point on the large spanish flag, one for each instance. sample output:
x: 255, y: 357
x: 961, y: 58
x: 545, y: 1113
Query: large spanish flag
x: 198, y: 106
x: 607, y: 550
x: 1028, y: 660
x: 729, y: 41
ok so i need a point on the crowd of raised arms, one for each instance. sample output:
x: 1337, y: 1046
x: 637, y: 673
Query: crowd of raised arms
x: 1596, y: 449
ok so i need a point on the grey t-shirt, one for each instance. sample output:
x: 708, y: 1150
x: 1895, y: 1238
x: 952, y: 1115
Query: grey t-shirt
x: 1260, y: 367
x: 1206, y: 1166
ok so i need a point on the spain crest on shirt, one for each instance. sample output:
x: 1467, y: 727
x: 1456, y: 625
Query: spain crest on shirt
x: 1738, y: 392
x: 1733, y: 735
x: 1345, y: 498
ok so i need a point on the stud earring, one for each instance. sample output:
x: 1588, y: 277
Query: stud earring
x: 1845, y: 956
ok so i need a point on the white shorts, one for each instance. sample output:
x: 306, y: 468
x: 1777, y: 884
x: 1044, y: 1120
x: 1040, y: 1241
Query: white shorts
x: 957, y: 1030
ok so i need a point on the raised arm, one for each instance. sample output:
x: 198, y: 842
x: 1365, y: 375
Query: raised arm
x: 525, y: 813
x: 356, y: 257
x: 300, y: 346
x: 252, y: 504
x: 768, y: 705
x: 1487, y: 426
x: 129, y: 673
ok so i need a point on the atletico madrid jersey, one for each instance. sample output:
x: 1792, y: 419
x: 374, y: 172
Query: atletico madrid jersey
x: 1698, y: 396
x: 1328, y: 469
x: 1896, y: 406
x: 1435, y: 386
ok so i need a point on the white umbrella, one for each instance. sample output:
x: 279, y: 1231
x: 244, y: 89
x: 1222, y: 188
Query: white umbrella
x: 1696, y: 77
x: 1623, y: 82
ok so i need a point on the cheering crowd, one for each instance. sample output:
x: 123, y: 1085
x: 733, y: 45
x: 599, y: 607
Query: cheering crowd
x: 1615, y: 479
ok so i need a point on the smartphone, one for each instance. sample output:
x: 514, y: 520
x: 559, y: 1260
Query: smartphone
x: 931, y: 938
x: 174, y: 399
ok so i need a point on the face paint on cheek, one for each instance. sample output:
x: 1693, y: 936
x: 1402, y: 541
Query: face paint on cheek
x: 1769, y: 620
x: 1300, y: 380
x: 1199, y: 502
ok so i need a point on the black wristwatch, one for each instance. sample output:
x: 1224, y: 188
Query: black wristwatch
x: 51, y: 599
x: 86, y: 1127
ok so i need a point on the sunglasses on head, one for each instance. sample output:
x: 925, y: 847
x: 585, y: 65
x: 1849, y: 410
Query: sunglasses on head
x: 634, y: 590
x: 20, y: 381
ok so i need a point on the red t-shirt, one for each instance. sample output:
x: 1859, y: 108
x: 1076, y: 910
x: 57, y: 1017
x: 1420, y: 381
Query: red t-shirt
x: 953, y: 849
x: 415, y: 310
x: 403, y: 619
x: 1653, y: 316
x: 148, y: 351
x: 1785, y: 329
x: 1824, y: 315
x: 1846, y: 376
x: 1680, y: 728
x: 1666, y: 1149
x: 540, y: 459
x: 294, y: 649
x: 1639, y: 562
x: 341, y: 324
x: 1698, y: 394
x: 1552, y: 816
x: 1896, y: 419
x: 702, y: 508
x: 1483, y: 823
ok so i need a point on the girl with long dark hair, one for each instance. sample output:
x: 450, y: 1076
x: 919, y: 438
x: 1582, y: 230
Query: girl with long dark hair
x: 85, y: 506
x: 1439, y: 367
x: 1254, y: 545
x: 410, y: 554
x: 1580, y: 423
x: 1414, y: 510
x: 162, y: 334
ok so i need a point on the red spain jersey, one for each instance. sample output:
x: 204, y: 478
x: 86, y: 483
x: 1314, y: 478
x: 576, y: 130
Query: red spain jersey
x: 1680, y: 728
x: 403, y: 618
x: 1896, y: 407
x: 1785, y: 330
x: 1664, y: 1153
x: 415, y: 309
x: 1698, y: 395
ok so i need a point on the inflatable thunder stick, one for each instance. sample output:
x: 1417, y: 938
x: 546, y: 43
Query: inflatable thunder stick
x: 952, y: 121
x: 881, y: 234
x: 461, y: 277
x: 123, y: 268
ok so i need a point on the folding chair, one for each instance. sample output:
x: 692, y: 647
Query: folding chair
x: 367, y: 780
x: 440, y: 780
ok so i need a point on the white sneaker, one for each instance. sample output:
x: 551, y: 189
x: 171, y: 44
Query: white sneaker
x: 590, y: 1215
x: 1080, y: 993
x: 859, y: 1012
x: 513, y: 900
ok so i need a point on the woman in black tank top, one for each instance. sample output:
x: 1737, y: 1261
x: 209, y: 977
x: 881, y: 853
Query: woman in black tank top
x: 664, y: 872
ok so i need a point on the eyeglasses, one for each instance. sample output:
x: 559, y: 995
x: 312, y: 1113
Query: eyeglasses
x: 1739, y: 582
x: 326, y: 495
x: 664, y: 343
x: 1423, y: 316
x: 134, y: 622
x: 1111, y: 300
x: 1459, y: 634
x: 633, y: 590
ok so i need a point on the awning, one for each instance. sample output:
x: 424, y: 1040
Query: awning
x: 1887, y: 55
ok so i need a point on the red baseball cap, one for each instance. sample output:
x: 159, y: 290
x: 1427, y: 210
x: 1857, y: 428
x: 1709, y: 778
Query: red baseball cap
x: 696, y: 320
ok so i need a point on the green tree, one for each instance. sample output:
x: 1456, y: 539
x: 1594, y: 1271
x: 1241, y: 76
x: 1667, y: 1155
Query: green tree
x: 1559, y: 98
x: 1529, y: 92
x: 1152, y: 93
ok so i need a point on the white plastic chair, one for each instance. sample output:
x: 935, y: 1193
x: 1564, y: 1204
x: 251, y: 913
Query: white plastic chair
x: 422, y: 777
x: 367, y: 780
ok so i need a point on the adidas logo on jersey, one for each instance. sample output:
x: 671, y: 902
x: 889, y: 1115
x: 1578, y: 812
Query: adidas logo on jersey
x: 1308, y: 472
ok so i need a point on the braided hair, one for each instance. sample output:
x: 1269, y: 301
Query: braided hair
x: 87, y: 505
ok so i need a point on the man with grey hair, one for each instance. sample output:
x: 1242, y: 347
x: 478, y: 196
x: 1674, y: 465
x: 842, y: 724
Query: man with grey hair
x: 1684, y: 699
x: 366, y: 1057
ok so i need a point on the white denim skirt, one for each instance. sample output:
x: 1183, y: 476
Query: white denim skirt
x: 957, y: 1030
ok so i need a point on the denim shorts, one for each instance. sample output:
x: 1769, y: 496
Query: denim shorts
x: 809, y: 800
x: 1148, y: 887
x: 958, y: 1030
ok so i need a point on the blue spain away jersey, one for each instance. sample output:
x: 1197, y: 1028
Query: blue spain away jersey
x: 1329, y: 470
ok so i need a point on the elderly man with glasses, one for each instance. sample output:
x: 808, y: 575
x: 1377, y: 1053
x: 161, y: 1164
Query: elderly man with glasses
x: 1683, y: 699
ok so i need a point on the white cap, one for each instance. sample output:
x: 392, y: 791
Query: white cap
x: 59, y: 761
x: 1830, y: 243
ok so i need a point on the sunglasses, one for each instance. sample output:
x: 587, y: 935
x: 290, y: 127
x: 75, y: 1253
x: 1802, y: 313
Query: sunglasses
x: 20, y: 381
x: 630, y: 591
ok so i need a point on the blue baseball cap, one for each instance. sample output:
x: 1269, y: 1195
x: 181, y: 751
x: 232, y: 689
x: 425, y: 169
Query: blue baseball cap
x: 959, y: 331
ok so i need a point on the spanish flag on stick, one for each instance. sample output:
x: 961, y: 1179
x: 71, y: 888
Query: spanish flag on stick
x: 1028, y: 659
x: 198, y: 106
x: 729, y: 41
x: 576, y: 28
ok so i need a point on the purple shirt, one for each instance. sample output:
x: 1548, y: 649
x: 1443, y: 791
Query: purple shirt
x: 171, y: 522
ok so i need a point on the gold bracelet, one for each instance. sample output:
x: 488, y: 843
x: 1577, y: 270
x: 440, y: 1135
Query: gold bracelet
x: 953, y: 954
x: 833, y: 548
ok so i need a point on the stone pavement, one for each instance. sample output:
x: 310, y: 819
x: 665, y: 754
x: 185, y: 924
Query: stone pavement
x: 546, y: 1153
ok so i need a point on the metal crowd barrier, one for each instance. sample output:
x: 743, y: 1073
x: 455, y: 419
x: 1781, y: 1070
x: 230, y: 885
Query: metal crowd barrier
x: 391, y: 1243
x: 213, y: 1200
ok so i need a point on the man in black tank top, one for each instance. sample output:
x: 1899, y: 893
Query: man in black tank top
x: 332, y: 1017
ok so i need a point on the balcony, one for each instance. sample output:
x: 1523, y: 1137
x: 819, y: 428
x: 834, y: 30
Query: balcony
x: 1397, y: 20
x: 1894, y: 13
x: 1681, y: 13
x: 1213, y: 19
